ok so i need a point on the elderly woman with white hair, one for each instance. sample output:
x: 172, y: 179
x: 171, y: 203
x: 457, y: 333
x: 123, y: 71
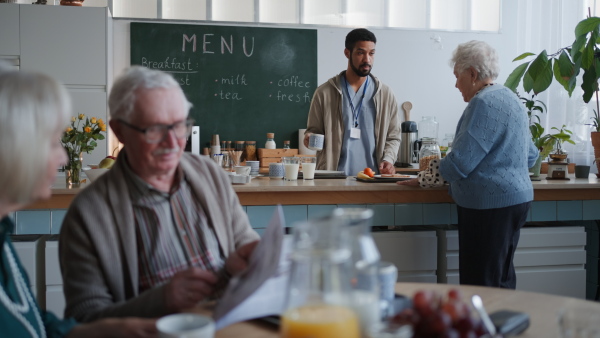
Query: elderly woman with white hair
x: 487, y: 169
x: 34, y: 110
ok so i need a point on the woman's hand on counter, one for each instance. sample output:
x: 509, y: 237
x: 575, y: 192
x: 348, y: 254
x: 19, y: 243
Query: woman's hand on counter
x: 414, y: 182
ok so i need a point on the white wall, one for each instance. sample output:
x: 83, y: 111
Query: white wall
x: 416, y: 67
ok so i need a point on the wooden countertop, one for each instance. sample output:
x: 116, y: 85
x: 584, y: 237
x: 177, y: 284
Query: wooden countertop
x: 265, y: 191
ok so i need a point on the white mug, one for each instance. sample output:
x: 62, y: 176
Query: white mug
x: 315, y: 141
x: 186, y: 325
x: 242, y: 170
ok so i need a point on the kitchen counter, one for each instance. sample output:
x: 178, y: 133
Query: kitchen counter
x: 265, y: 191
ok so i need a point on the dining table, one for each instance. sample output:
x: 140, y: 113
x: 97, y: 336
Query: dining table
x: 544, y: 310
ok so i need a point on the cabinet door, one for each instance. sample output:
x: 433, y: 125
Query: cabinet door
x: 65, y: 42
x: 9, y: 29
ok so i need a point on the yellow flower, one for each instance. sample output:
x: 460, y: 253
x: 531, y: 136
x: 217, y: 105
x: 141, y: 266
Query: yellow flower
x: 93, y: 120
x: 81, y: 116
x: 103, y: 127
x: 73, y: 119
x: 100, y: 121
x: 88, y: 129
x: 69, y: 129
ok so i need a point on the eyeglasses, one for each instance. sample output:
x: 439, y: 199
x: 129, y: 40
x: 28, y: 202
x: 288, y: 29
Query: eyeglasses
x: 156, y: 133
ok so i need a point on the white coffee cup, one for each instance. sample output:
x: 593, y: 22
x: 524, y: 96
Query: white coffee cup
x: 315, y: 141
x: 242, y: 170
x: 186, y: 325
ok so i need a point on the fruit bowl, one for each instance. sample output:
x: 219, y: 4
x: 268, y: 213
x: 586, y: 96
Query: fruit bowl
x: 93, y: 174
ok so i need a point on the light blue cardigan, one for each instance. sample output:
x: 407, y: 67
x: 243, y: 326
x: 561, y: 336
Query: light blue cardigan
x: 491, y: 153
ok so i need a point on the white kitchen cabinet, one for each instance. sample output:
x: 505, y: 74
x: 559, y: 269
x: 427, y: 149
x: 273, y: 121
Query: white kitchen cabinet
x: 9, y: 30
x: 548, y: 260
x: 28, y: 249
x: 55, y: 298
x: 68, y: 43
x: 413, y: 252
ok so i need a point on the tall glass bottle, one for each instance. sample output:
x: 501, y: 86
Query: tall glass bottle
x: 428, y: 127
x: 318, y: 292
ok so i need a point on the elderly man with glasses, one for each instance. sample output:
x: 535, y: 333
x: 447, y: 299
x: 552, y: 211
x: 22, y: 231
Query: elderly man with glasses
x: 163, y: 229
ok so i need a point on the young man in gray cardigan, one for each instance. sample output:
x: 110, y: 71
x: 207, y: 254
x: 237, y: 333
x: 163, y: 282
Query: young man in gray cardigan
x: 357, y: 113
x: 162, y: 230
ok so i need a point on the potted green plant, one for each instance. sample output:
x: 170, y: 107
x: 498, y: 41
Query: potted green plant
x: 562, y: 135
x: 542, y: 141
x: 564, y: 66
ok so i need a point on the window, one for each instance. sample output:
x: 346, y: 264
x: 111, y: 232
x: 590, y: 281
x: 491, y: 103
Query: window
x: 456, y: 15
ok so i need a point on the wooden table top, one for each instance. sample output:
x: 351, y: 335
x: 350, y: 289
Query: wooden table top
x: 543, y: 309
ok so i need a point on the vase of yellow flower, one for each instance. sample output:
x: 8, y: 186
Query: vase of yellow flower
x: 80, y: 137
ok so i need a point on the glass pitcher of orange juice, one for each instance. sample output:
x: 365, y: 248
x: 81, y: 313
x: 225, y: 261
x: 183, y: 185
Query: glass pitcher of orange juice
x: 318, y: 295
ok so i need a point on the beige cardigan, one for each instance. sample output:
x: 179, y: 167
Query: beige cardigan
x: 325, y: 117
x: 98, y: 251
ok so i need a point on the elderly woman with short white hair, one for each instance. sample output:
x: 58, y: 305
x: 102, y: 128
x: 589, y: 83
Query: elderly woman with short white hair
x: 487, y: 169
x: 34, y: 111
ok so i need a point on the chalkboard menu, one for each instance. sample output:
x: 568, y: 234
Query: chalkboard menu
x: 243, y: 81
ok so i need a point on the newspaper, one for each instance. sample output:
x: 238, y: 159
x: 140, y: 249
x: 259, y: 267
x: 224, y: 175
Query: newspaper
x: 260, y: 290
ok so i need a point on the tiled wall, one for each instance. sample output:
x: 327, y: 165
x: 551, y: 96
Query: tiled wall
x: 49, y: 221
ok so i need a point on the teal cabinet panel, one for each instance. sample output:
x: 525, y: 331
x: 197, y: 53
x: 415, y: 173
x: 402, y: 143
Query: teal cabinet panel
x: 543, y: 211
x: 569, y: 210
x: 320, y: 210
x: 57, y: 217
x: 453, y: 214
x: 383, y: 214
x: 408, y: 214
x: 591, y: 210
x: 260, y: 216
x: 295, y: 213
x: 31, y: 222
x: 436, y: 213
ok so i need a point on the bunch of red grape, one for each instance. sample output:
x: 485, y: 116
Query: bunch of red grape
x: 433, y: 316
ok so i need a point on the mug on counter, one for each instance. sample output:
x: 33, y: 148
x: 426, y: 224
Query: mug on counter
x: 254, y: 165
x: 242, y: 170
x: 276, y: 170
x: 315, y: 141
x: 186, y: 325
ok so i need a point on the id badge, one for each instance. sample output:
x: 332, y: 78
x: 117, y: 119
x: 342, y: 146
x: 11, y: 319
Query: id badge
x: 355, y: 133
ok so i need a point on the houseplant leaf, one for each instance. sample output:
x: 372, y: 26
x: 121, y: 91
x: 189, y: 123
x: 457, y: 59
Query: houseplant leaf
x: 589, y: 84
x: 587, y: 57
x: 527, y: 82
x: 522, y: 56
x: 587, y: 25
x: 543, y: 80
x: 512, y: 82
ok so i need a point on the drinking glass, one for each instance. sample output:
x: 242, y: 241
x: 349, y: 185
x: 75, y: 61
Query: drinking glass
x: 291, y: 166
x: 309, y: 164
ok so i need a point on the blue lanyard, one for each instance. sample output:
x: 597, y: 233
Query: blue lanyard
x: 356, y: 112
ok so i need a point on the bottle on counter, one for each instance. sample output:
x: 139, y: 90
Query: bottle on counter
x: 286, y: 144
x: 215, y: 145
x: 270, y: 144
x: 446, y: 144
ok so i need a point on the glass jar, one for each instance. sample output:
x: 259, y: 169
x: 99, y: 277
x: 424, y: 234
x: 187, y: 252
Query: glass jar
x: 250, y: 151
x: 270, y: 144
x: 428, y: 127
x: 446, y: 144
x: 318, y: 294
x: 286, y: 144
x: 429, y: 150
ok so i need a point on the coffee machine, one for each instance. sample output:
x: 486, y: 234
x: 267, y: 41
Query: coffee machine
x: 409, y: 151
